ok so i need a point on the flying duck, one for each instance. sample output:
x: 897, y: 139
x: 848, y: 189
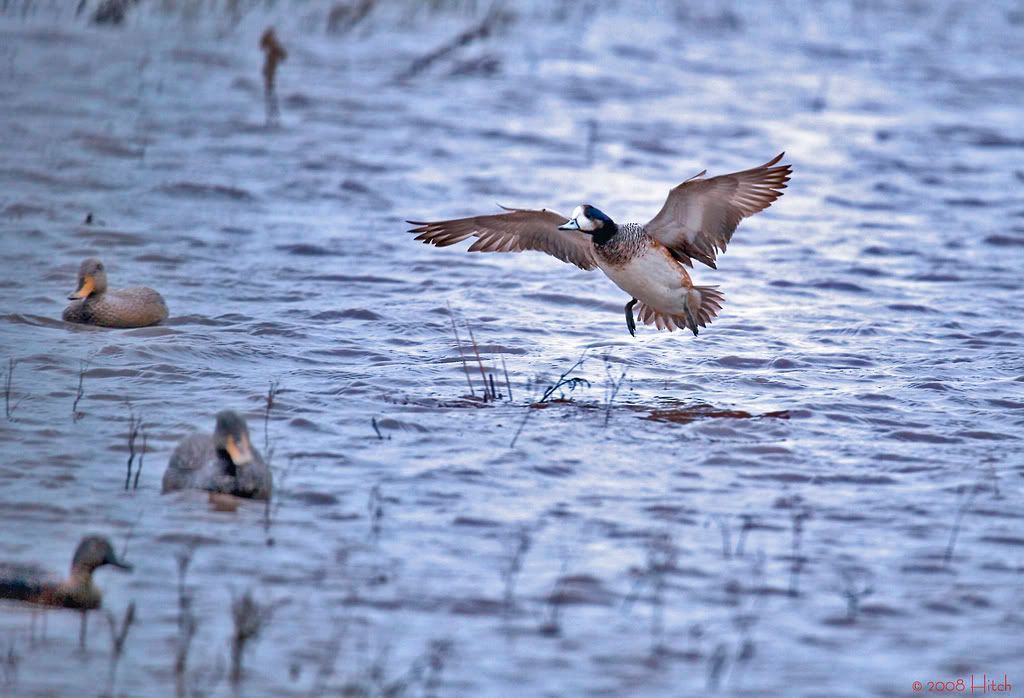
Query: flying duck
x: 647, y: 261
x: 34, y: 585
x: 224, y: 462
x: 96, y: 305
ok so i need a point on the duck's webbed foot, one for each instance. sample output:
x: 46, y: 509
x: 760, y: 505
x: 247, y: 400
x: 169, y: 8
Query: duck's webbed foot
x: 630, y: 324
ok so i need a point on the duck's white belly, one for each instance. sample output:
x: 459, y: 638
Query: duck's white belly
x: 652, y: 277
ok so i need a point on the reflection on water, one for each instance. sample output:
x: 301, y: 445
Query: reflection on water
x: 827, y: 479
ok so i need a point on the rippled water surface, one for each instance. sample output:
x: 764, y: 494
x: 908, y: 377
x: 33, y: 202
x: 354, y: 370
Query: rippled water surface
x: 762, y: 510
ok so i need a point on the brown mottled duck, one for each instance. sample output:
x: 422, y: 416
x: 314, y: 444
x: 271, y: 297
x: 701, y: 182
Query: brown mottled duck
x: 224, y: 462
x: 34, y: 585
x: 95, y: 304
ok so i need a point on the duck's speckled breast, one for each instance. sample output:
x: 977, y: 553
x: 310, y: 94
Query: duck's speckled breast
x: 628, y: 243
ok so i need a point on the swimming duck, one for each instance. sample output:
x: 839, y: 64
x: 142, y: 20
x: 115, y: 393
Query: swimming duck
x: 125, y: 307
x: 647, y: 261
x: 32, y: 584
x: 224, y: 462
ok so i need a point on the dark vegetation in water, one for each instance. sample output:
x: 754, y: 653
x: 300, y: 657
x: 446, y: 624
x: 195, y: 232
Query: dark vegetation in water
x: 83, y: 364
x: 249, y: 617
x: 274, y: 54
x: 136, y: 428
x: 494, y: 18
x: 685, y: 415
x: 8, y: 381
x: 118, y: 638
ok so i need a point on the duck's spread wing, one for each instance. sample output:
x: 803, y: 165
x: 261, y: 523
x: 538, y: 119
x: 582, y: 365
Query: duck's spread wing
x: 700, y: 215
x: 514, y: 231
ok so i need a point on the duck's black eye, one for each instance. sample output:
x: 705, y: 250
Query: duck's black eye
x: 99, y: 267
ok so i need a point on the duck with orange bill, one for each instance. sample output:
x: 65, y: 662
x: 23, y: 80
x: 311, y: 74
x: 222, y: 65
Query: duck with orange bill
x: 223, y: 462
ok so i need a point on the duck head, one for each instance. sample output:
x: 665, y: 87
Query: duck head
x: 92, y: 279
x: 591, y: 220
x: 93, y: 552
x: 231, y: 438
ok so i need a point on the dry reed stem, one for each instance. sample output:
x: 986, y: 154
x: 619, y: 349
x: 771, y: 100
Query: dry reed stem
x: 134, y: 429
x: 483, y: 374
x: 562, y: 380
x: 83, y: 365
x: 458, y: 343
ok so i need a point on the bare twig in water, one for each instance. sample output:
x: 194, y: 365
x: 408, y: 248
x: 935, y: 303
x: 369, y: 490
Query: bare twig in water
x: 272, y: 392
x: 662, y: 560
x: 508, y: 383
x: 716, y: 666
x: 488, y: 392
x: 134, y: 429
x: 375, y: 510
x: 514, y: 565
x: 274, y: 501
x: 612, y: 388
x: 376, y: 429
x: 8, y: 383
x: 131, y: 534
x: 275, y: 54
x: 9, y: 664
x: 966, y: 499
x: 249, y: 619
x: 856, y: 586
x: 796, y: 557
x: 438, y: 653
x: 458, y: 343
x: 563, y: 381
x: 142, y: 456
x: 551, y: 626
x: 481, y: 30
x: 187, y: 621
x: 994, y: 476
x: 748, y: 525
x: 9, y: 389
x: 726, y: 531
x: 83, y: 365
x: 118, y: 635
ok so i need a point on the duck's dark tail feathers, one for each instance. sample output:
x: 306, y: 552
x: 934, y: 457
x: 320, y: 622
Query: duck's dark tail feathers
x: 703, y: 304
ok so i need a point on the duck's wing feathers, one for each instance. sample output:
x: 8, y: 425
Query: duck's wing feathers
x: 23, y: 582
x: 517, y: 230
x: 194, y: 455
x: 700, y: 215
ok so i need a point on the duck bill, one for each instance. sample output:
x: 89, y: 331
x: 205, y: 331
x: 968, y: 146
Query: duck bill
x: 87, y: 287
x: 239, y: 451
x: 570, y: 224
x: 112, y: 559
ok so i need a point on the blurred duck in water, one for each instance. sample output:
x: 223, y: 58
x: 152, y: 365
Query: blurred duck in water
x: 223, y: 462
x: 95, y: 304
x: 34, y: 585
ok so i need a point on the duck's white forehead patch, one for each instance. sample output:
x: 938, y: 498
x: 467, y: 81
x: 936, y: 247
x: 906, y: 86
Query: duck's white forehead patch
x: 576, y: 213
x: 584, y: 222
